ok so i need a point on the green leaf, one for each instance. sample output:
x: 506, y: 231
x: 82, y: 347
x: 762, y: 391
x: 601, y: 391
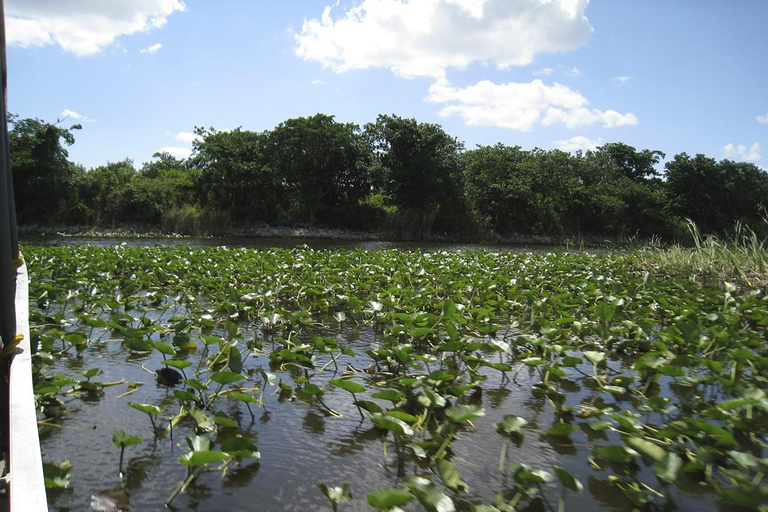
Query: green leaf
x: 388, y: 498
x: 202, y: 457
x: 177, y: 363
x: 336, y: 495
x: 568, y: 480
x: 429, y: 495
x: 615, y: 453
x: 646, y: 448
x: 347, y: 385
x: 121, y: 439
x: 312, y: 389
x: 243, y: 397
x: 450, y: 476
x: 393, y: 425
x: 241, y: 447
x: 223, y: 420
x: 562, y: 430
x: 594, y: 357
x: 393, y: 395
x: 668, y: 468
x: 226, y: 377
x: 146, y: 408
x: 203, y: 421
x: 57, y: 476
x: 511, y: 424
x: 461, y: 413
x: 163, y: 348
x: 92, y: 373
x: 402, y: 415
x: 369, y: 406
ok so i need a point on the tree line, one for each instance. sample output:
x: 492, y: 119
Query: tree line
x: 402, y: 177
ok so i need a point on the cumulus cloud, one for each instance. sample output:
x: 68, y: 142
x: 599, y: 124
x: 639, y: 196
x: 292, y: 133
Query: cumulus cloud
x: 741, y: 153
x: 520, y: 106
x: 544, y: 72
x: 176, y: 151
x: 578, y: 143
x: 75, y: 115
x: 83, y: 27
x: 424, y: 38
x: 187, y: 137
x: 152, y: 49
x: 762, y: 119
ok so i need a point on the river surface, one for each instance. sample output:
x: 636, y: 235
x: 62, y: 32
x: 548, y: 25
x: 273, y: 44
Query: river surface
x: 300, y: 443
x: 287, y: 243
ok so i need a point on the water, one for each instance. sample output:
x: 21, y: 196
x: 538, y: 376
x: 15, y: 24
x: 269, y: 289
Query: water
x: 282, y: 243
x: 302, y: 445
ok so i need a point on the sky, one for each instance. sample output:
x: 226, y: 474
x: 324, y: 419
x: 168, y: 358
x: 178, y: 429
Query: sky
x: 139, y: 75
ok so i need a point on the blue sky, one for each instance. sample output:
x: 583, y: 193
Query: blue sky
x: 139, y: 75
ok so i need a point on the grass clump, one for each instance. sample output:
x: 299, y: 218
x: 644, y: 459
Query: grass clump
x: 741, y: 258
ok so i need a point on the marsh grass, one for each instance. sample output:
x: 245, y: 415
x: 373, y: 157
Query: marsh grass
x: 192, y: 220
x: 740, y: 258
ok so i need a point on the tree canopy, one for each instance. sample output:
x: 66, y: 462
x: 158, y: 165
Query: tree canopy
x: 398, y: 175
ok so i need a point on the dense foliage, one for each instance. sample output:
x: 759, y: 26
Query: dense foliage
x: 396, y: 175
x: 470, y: 381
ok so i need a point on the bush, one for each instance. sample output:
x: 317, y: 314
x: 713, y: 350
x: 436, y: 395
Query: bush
x: 193, y: 220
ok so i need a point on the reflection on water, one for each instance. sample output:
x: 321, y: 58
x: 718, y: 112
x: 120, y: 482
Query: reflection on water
x: 281, y: 243
x: 301, y: 445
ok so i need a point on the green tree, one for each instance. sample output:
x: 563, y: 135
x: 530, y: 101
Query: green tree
x: 236, y: 176
x: 325, y: 165
x: 46, y: 183
x: 163, y: 184
x: 635, y: 165
x: 419, y: 171
x: 110, y: 192
x: 519, y: 191
x: 716, y: 195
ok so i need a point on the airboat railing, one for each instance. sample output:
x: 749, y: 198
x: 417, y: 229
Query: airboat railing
x: 22, y: 472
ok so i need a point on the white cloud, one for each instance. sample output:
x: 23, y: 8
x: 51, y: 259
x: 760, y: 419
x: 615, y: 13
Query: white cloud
x: 75, y: 115
x: 742, y: 153
x: 520, y: 106
x: 574, y: 71
x: 762, y: 119
x: 83, y: 27
x: 544, y: 72
x: 152, y: 49
x: 187, y: 136
x: 318, y: 81
x: 26, y: 32
x: 618, y: 81
x: 578, y: 143
x: 176, y: 151
x: 426, y: 37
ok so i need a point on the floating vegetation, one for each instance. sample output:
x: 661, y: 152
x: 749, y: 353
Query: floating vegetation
x: 480, y: 381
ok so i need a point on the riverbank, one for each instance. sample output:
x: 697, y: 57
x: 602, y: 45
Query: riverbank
x: 307, y: 232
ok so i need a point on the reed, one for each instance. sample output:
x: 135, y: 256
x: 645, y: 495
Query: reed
x: 741, y: 257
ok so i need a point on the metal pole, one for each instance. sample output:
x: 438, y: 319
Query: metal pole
x: 8, y: 234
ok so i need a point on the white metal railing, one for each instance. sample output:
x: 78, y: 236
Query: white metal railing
x: 27, y: 488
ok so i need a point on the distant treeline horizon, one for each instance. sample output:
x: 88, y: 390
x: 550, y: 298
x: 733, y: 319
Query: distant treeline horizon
x: 408, y: 179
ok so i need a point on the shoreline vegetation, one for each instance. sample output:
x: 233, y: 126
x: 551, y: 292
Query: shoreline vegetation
x: 392, y: 179
x: 740, y: 257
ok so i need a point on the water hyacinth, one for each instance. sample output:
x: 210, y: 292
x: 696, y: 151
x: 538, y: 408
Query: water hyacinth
x: 431, y: 366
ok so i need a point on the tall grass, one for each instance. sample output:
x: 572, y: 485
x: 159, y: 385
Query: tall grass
x: 193, y: 220
x: 741, y: 257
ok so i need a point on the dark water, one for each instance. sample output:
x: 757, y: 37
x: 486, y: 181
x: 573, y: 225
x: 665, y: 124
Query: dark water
x: 302, y: 445
x: 284, y: 243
